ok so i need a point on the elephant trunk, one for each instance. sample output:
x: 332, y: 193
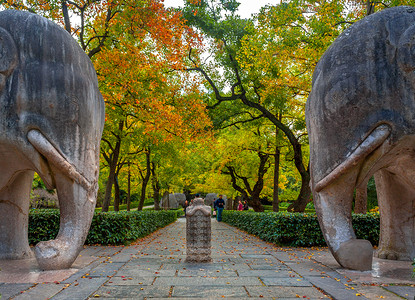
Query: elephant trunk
x: 75, y: 220
x: 77, y: 198
x: 333, y: 197
x: 333, y: 206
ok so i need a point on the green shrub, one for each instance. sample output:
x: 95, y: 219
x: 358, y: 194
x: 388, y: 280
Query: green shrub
x: 107, y: 228
x: 133, y: 205
x: 296, y: 229
x: 284, y: 205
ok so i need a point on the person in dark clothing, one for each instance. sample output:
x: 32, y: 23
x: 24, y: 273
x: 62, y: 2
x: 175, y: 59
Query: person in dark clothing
x: 220, y: 205
x: 186, y: 204
x: 246, y: 207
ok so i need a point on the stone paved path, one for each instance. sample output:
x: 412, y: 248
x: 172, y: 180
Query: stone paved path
x: 243, y: 267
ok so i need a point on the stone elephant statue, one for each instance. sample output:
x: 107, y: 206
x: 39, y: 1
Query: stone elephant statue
x: 51, y: 121
x: 360, y: 117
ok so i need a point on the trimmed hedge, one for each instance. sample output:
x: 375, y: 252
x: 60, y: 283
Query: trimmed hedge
x: 297, y: 229
x: 107, y: 228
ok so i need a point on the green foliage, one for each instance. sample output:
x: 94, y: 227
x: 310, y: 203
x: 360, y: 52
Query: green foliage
x: 37, y: 183
x: 372, y: 199
x: 107, y: 228
x: 284, y: 205
x: 43, y: 225
x: 367, y: 226
x: 297, y: 229
x: 133, y: 205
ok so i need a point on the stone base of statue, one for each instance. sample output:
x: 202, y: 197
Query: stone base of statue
x: 198, y: 232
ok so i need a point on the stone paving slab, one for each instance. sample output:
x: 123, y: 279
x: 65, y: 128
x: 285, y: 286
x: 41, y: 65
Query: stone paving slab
x: 210, y: 266
x: 134, y: 292
x: 377, y: 292
x: 105, y: 269
x: 207, y: 292
x: 311, y: 268
x: 40, y: 292
x: 207, y: 273
x: 407, y: 292
x: 8, y: 290
x: 127, y: 280
x: 278, y: 281
x: 80, y: 289
x: 278, y: 266
x: 285, y: 291
x: 204, y: 281
x: 124, y: 257
x: 335, y: 289
x: 268, y: 273
x: 143, y: 272
x: 82, y: 272
x: 143, y: 266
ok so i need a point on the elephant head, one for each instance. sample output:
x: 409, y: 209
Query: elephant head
x: 360, y: 117
x: 51, y: 121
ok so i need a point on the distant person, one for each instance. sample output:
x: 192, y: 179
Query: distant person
x: 240, y: 205
x: 246, y: 207
x: 186, y: 204
x: 220, y: 205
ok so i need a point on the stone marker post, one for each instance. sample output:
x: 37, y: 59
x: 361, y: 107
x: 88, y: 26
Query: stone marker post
x: 198, y: 232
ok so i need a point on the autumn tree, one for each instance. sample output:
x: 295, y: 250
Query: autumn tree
x: 268, y: 64
x: 134, y: 45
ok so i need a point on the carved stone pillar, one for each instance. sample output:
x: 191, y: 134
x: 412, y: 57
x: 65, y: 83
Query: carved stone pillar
x: 198, y: 232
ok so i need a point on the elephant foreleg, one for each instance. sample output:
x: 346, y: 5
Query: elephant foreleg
x: 397, y: 211
x: 14, y: 206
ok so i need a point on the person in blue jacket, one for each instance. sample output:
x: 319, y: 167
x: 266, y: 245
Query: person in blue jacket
x: 220, y: 205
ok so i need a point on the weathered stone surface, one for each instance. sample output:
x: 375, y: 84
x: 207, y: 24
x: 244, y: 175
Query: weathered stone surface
x: 211, y: 197
x: 51, y: 121
x: 198, y: 232
x: 171, y: 200
x: 284, y: 292
x: 180, y: 198
x: 361, y: 122
x: 40, y: 291
x: 209, y: 292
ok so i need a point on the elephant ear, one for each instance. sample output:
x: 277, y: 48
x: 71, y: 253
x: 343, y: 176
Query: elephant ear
x: 406, y: 53
x: 8, y: 56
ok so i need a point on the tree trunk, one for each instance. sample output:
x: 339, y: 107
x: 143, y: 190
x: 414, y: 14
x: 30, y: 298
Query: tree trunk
x: 116, y: 195
x: 236, y: 201
x: 113, y: 160
x: 156, y: 187
x: 360, y: 203
x: 370, y: 7
x: 66, y: 18
x: 305, y: 194
x: 146, y: 179
x: 275, y: 195
x: 277, y: 156
x: 129, y: 188
x: 256, y: 191
x: 244, y: 194
x: 259, y: 185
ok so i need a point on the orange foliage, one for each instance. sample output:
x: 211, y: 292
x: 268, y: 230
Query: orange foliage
x: 136, y: 72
